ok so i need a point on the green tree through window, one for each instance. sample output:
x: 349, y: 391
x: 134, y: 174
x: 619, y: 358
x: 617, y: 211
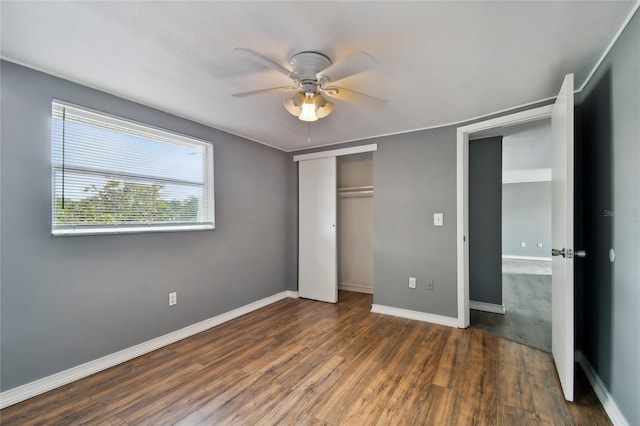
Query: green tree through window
x: 126, y: 203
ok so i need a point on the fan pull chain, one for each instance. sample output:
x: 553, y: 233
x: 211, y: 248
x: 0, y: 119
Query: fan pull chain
x: 309, y: 137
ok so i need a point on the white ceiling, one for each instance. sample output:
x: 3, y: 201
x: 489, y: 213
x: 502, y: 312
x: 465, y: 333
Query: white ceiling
x: 438, y: 62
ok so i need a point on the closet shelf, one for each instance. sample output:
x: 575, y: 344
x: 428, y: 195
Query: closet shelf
x: 355, y: 191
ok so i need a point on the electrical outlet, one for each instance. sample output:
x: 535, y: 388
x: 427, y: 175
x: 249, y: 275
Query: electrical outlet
x: 523, y: 244
x: 412, y: 282
x: 173, y: 298
x: 430, y: 285
x: 539, y: 245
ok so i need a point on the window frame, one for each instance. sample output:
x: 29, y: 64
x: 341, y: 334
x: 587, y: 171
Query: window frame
x: 144, y: 130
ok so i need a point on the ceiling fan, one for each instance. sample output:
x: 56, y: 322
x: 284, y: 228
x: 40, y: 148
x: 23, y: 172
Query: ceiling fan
x: 313, y: 74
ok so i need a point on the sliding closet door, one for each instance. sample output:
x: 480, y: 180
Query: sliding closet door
x: 317, y: 247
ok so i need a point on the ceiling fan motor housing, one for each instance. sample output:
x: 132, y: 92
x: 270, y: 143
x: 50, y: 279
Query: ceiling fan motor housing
x: 305, y: 66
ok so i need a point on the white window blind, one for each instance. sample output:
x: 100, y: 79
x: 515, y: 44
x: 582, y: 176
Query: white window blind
x: 111, y: 175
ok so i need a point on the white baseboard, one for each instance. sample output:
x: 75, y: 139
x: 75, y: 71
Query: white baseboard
x: 415, y: 315
x: 37, y: 387
x: 486, y: 307
x: 542, y: 259
x: 356, y: 287
x: 293, y: 294
x: 607, y: 401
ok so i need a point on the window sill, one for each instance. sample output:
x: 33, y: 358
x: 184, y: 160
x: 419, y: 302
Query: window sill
x: 65, y: 232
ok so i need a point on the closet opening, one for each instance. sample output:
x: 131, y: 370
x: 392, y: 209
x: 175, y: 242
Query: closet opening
x: 355, y: 222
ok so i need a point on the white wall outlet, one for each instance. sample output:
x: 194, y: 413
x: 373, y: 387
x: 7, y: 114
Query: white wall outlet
x: 430, y: 284
x: 173, y: 298
x: 523, y: 244
x: 412, y: 282
x: 539, y: 245
x: 438, y: 219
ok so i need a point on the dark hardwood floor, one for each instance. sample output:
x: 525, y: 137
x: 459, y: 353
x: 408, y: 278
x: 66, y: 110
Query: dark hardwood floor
x: 304, y: 362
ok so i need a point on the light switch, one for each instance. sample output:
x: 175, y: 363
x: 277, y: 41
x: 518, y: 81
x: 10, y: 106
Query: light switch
x: 438, y: 219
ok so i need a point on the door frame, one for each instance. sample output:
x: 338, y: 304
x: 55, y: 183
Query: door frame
x: 462, y: 195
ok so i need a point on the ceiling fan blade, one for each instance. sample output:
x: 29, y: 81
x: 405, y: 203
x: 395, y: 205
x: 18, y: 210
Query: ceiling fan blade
x: 266, y: 61
x: 354, y: 97
x: 263, y: 91
x: 349, y: 66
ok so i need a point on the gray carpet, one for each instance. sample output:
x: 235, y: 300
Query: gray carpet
x: 527, y: 300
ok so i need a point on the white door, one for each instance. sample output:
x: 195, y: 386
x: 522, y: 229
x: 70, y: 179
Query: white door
x: 317, y: 247
x: 562, y: 344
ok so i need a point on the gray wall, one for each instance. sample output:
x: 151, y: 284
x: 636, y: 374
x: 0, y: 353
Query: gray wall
x: 69, y: 300
x: 414, y: 176
x: 609, y: 185
x: 292, y: 224
x: 485, y: 220
x: 526, y: 217
x: 527, y: 146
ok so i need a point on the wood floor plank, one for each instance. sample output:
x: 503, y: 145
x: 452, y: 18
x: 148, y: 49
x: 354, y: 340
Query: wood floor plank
x: 136, y: 402
x: 513, y: 387
x: 187, y: 399
x: 299, y: 403
x: 300, y: 362
x: 448, y: 360
x: 439, y: 403
x: 393, y: 364
x: 509, y: 416
x: 478, y: 390
x: 350, y: 386
x: 415, y: 378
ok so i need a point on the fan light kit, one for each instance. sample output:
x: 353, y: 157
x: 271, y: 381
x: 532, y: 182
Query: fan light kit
x: 311, y: 73
x: 308, y: 106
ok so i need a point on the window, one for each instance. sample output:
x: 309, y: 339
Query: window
x: 111, y: 175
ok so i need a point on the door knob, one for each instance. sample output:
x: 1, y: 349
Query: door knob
x: 568, y: 253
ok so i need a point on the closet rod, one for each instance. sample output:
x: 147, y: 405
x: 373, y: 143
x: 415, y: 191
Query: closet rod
x: 361, y: 193
x: 356, y: 189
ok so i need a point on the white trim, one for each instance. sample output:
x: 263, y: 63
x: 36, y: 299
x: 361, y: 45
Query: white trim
x: 486, y: 307
x: 526, y: 175
x: 509, y: 120
x: 135, y: 229
x: 436, y: 126
x: 462, y: 196
x: 609, y: 47
x: 292, y: 294
x: 37, y: 387
x: 414, y: 315
x: 537, y: 258
x: 356, y: 287
x: 607, y: 401
x: 336, y: 152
